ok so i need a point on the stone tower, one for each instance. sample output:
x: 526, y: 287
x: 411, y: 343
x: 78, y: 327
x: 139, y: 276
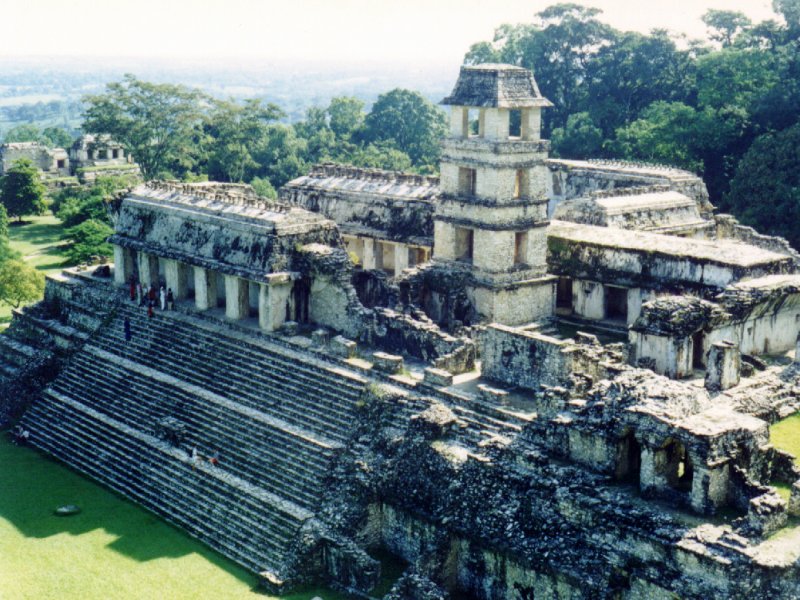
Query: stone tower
x: 492, y: 217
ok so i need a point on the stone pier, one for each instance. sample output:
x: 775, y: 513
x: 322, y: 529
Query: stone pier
x: 272, y: 299
x: 205, y: 289
x: 237, y: 298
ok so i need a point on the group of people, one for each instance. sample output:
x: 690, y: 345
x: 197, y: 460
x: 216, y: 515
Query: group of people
x: 149, y: 296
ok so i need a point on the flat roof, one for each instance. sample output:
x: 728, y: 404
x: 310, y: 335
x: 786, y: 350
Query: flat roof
x: 725, y: 252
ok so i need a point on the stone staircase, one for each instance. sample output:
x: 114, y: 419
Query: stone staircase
x: 276, y: 419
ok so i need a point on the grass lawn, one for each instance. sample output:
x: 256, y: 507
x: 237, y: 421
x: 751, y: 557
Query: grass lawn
x: 785, y: 435
x: 39, y: 242
x: 112, y: 550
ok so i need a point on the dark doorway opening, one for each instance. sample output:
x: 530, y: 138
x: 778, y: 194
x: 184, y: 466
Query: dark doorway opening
x: 302, y: 297
x: 629, y: 459
x: 616, y: 303
x: 698, y: 356
x: 564, y: 295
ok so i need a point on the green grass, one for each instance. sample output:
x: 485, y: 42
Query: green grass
x: 112, y: 550
x: 39, y: 242
x: 785, y: 435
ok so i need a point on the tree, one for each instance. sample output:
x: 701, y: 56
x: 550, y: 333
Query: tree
x: 19, y: 283
x: 86, y: 242
x: 726, y: 25
x: 663, y: 134
x: 765, y: 191
x: 235, y: 131
x: 27, y: 132
x: 22, y: 191
x: 160, y: 125
x: 411, y: 122
x: 581, y: 138
x: 56, y: 137
x: 346, y: 116
x: 264, y: 188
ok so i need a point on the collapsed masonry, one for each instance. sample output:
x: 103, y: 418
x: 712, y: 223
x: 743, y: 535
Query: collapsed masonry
x: 325, y: 346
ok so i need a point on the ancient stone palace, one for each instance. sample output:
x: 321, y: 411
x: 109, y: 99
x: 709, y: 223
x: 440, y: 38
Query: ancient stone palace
x: 526, y: 378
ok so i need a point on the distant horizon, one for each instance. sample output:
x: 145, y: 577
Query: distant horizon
x: 302, y: 31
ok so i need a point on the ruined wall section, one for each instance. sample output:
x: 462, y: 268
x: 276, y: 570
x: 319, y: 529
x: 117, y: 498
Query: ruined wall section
x: 577, y: 178
x: 369, y: 202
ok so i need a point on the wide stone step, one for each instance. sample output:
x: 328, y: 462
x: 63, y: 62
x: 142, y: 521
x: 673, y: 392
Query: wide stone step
x: 118, y: 448
x: 274, y: 399
x: 270, y: 459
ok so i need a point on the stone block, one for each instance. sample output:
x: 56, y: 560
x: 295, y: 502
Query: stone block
x: 794, y: 500
x: 491, y: 394
x: 320, y: 337
x: 341, y: 346
x: 388, y: 363
x: 723, y: 366
x: 289, y: 328
x: 766, y: 514
x: 438, y: 377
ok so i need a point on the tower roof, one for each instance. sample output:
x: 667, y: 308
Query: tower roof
x: 496, y: 86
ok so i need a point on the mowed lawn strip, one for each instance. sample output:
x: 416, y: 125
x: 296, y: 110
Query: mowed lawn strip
x: 112, y: 550
x: 40, y: 244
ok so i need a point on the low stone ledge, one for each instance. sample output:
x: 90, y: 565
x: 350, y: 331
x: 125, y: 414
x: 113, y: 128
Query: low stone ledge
x: 388, y: 363
x: 342, y: 347
x: 492, y: 394
x: 289, y: 328
x: 320, y: 337
x: 437, y: 377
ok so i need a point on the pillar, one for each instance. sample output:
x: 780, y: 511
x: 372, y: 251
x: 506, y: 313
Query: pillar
x: 272, y: 299
x: 148, y: 269
x: 722, y: 366
x: 400, y: 258
x: 123, y: 265
x: 175, y: 273
x: 237, y: 298
x: 369, y: 253
x: 205, y: 288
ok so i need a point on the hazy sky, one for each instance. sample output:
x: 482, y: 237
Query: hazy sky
x: 409, y: 30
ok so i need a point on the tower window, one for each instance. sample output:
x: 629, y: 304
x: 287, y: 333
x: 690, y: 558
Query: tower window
x: 466, y: 181
x: 515, y: 123
x: 464, y: 244
x: 520, y: 247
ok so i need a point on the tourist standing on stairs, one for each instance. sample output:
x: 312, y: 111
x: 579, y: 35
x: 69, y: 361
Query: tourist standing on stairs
x: 140, y: 293
x: 127, y: 327
x: 162, y: 298
x: 150, y: 306
x: 133, y: 288
x: 170, y: 299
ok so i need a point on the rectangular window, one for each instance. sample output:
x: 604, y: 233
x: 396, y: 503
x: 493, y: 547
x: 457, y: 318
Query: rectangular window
x: 521, y: 248
x: 515, y: 124
x: 61, y: 163
x: 466, y: 182
x: 464, y: 244
x: 521, y: 186
x: 115, y: 153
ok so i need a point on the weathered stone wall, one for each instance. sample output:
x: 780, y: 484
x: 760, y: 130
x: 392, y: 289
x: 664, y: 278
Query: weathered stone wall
x: 368, y: 202
x: 44, y: 159
x: 524, y: 358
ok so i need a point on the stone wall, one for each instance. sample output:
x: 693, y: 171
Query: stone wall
x: 524, y: 358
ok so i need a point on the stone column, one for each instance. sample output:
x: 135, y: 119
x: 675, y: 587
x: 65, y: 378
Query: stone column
x: 122, y: 266
x: 175, y: 273
x: 723, y: 366
x: 400, y: 258
x: 272, y: 299
x: 237, y: 298
x: 148, y: 269
x: 369, y: 253
x: 205, y: 288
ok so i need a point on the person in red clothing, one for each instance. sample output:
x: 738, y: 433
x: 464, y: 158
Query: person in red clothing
x: 133, y: 288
